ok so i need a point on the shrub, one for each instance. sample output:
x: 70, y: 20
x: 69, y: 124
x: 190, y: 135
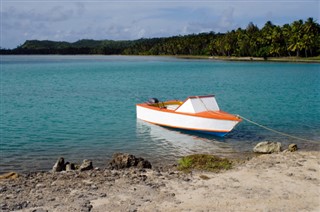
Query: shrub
x: 203, y: 162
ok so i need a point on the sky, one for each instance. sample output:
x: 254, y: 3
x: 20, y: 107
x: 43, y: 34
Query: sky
x: 72, y: 20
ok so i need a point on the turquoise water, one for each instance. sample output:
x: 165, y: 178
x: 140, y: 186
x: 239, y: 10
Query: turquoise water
x: 84, y: 106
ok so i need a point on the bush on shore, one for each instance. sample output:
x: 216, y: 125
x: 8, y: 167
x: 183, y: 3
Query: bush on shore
x: 203, y: 162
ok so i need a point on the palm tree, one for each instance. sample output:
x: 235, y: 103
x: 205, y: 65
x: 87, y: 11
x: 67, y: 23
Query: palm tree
x: 276, y: 41
x: 286, y: 31
x: 252, y: 32
x: 310, y: 35
x: 296, y: 43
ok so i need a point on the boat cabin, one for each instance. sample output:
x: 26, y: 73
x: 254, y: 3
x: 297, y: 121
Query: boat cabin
x: 193, y: 104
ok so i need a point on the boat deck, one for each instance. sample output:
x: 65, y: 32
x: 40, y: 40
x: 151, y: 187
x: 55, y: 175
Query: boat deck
x: 170, y: 105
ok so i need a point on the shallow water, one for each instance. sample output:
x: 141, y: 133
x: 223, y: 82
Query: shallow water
x: 84, y: 106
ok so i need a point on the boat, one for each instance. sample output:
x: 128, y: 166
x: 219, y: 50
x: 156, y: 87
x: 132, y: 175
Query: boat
x: 196, y: 113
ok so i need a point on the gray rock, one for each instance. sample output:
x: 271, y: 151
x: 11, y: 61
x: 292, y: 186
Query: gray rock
x: 293, y: 147
x: 59, y: 165
x: 86, y: 165
x: 22, y: 205
x: 267, y: 147
x: 70, y: 166
x: 124, y: 160
x: 144, y: 164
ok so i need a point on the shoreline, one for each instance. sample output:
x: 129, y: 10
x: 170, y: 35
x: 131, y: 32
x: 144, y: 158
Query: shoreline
x: 279, y: 181
x: 254, y: 59
x: 288, y: 59
x: 101, y: 163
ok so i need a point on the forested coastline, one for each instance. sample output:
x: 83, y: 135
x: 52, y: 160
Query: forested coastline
x: 300, y: 38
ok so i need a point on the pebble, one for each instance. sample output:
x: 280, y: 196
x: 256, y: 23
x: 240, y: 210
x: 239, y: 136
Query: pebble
x: 40, y: 210
x: 310, y: 178
x: 143, y: 177
x: 56, y: 205
x: 86, y: 206
x: 3, y: 206
x: 103, y: 195
x: 158, y: 174
x: 40, y: 185
x: 94, y: 187
x: 39, y: 197
x: 10, y: 196
x: 186, y: 179
x: 22, y: 205
x: 3, y: 188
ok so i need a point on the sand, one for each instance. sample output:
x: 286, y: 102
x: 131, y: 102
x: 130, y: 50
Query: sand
x: 274, y: 182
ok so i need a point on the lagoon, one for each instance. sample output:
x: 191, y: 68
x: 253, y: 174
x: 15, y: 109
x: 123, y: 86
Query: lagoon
x: 84, y: 107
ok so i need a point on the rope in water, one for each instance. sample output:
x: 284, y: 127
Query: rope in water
x: 275, y: 131
x: 262, y: 126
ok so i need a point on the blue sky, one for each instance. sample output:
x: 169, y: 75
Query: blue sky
x: 71, y: 20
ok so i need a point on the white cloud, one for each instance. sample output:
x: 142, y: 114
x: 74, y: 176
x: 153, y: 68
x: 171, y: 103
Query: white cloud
x: 119, y: 20
x: 227, y: 20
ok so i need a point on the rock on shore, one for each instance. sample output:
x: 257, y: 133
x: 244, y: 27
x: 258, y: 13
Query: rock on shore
x: 124, y: 160
x: 267, y: 147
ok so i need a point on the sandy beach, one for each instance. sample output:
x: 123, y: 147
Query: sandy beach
x: 256, y: 59
x: 273, y: 182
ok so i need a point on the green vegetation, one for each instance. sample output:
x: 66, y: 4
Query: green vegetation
x: 298, y: 39
x: 203, y: 162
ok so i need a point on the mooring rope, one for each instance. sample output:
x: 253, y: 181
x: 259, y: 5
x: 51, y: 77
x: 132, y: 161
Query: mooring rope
x: 275, y: 131
x: 262, y: 126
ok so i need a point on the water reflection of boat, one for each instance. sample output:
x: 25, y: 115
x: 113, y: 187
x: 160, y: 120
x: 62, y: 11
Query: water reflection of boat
x: 169, y: 143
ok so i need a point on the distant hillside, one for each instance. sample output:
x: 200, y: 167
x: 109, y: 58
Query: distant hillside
x: 300, y: 38
x: 45, y: 44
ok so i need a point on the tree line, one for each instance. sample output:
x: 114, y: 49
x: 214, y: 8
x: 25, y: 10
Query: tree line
x: 300, y: 38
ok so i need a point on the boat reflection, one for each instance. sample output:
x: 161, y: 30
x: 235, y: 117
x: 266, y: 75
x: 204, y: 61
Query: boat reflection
x: 171, y: 144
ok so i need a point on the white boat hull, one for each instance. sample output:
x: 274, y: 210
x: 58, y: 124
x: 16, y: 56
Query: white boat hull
x: 185, y: 121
